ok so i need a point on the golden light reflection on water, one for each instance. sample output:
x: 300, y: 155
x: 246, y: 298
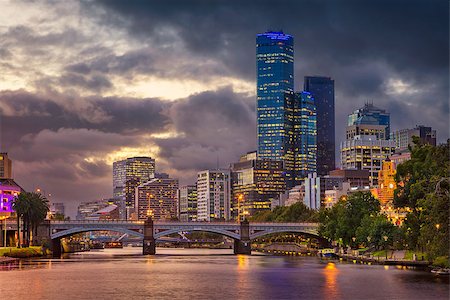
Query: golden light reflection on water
x: 331, y: 287
x: 242, y: 262
x: 242, y: 284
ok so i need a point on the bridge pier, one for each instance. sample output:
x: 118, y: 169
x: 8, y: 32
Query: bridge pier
x: 243, y: 245
x: 56, y: 248
x: 149, y: 242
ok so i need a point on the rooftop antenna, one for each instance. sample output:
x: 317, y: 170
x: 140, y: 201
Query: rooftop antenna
x: 217, y: 165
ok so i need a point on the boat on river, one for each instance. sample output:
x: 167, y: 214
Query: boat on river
x: 440, y: 271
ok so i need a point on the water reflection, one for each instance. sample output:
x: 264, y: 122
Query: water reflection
x: 211, y: 274
x: 331, y: 287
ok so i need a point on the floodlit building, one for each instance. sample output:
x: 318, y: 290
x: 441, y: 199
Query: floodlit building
x: 57, y: 208
x: 157, y: 198
x: 386, y: 182
x: 85, y: 209
x: 187, y: 203
x: 213, y: 195
x: 256, y: 184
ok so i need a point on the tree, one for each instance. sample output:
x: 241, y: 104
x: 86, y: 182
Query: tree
x: 423, y: 186
x: 32, y: 208
x: 341, y: 222
x: 297, y: 212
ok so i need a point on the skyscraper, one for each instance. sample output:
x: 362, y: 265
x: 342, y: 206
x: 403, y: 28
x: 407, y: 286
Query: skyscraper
x: 370, y: 115
x: 322, y: 90
x: 128, y: 174
x: 305, y: 136
x: 275, y: 87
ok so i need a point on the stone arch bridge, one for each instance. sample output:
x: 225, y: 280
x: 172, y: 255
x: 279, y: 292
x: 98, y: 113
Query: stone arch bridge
x: 149, y: 231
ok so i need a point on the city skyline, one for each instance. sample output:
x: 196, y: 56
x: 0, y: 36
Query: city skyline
x: 135, y: 81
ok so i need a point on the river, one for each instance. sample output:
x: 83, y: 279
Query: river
x: 211, y: 274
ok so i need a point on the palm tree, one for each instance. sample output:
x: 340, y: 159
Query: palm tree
x: 32, y: 208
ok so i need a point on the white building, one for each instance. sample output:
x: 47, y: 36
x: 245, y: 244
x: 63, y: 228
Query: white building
x: 213, y: 195
x: 315, y: 188
x: 296, y: 194
x: 332, y: 196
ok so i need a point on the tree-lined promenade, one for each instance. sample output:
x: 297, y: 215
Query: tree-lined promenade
x: 358, y: 222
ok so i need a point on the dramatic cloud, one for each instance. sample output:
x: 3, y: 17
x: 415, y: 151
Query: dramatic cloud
x: 84, y: 83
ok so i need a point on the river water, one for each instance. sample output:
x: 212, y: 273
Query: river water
x: 211, y: 274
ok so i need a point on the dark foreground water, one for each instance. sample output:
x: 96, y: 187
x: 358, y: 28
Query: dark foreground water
x: 211, y: 274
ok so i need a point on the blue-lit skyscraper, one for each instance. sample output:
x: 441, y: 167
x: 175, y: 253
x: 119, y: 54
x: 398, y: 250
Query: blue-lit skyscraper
x: 370, y: 115
x: 305, y: 135
x: 322, y: 90
x: 275, y: 88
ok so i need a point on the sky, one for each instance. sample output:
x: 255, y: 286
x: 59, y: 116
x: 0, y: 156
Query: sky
x: 86, y: 83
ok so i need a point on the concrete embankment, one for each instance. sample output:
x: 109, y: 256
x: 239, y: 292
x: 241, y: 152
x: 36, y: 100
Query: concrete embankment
x: 284, y: 249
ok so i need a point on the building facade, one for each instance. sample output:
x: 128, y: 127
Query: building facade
x: 366, y: 153
x: 403, y: 139
x: 315, y: 187
x: 5, y: 166
x: 187, y: 203
x: 371, y: 115
x: 322, y: 90
x: 356, y: 178
x: 256, y: 184
x: 386, y: 182
x: 157, y: 198
x: 305, y: 136
x: 275, y: 88
x: 213, y: 195
x: 128, y: 174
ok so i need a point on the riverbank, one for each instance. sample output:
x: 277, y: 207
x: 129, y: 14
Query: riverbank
x: 13, y: 252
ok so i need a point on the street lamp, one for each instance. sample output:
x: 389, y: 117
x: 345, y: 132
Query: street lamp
x: 437, y: 226
x: 354, y: 239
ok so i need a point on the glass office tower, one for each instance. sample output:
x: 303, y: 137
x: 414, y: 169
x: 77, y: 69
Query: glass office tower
x: 322, y: 89
x: 275, y: 87
x: 305, y: 136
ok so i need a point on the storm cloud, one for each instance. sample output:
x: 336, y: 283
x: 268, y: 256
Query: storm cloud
x: 84, y: 83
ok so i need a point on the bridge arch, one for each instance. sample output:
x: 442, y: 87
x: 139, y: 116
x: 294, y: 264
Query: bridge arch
x: 75, y: 230
x: 267, y: 232
x: 212, y: 230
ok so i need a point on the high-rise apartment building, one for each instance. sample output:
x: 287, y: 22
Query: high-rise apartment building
x: 157, y: 198
x: 404, y: 138
x: 128, y: 174
x: 256, y: 184
x: 322, y: 90
x: 187, y: 203
x: 275, y: 88
x: 5, y: 166
x: 370, y: 115
x: 213, y: 195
